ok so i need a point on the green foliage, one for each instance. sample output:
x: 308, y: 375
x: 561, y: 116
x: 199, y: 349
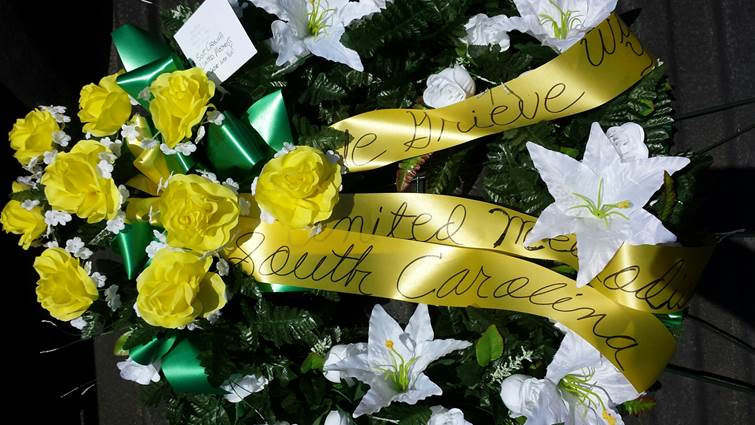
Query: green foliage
x: 313, y: 361
x: 30, y: 195
x: 285, y: 325
x: 489, y: 346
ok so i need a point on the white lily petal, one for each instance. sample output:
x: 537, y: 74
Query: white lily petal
x: 343, y: 357
x: 383, y: 328
x: 600, y: 155
x: 573, y: 354
x: 594, y: 252
x: 421, y: 388
x: 272, y: 7
x: 286, y: 43
x: 562, y: 173
x: 351, y: 11
x: 537, y: 399
x: 433, y: 350
x: 552, y: 222
x: 637, y: 181
x: 379, y: 395
x: 647, y: 229
x: 328, y: 45
x: 419, y: 326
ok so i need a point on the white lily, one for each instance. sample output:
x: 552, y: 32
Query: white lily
x: 560, y: 24
x: 394, y: 359
x: 601, y: 199
x: 580, y: 387
x: 316, y: 27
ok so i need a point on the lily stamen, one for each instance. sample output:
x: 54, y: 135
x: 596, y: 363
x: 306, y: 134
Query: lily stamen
x: 566, y: 21
x: 316, y: 19
x: 398, y: 372
x: 600, y: 210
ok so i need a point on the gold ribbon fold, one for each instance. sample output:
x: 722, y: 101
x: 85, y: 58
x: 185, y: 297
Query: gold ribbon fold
x: 445, y: 275
x: 606, y: 62
x: 651, y: 278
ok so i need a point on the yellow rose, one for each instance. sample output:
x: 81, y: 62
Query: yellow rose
x: 198, y: 214
x: 32, y: 135
x: 299, y: 188
x: 64, y: 288
x: 30, y: 224
x: 104, y: 107
x: 176, y: 288
x: 180, y: 102
x: 74, y: 184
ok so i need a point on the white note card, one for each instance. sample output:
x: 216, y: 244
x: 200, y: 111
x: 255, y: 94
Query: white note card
x: 215, y: 40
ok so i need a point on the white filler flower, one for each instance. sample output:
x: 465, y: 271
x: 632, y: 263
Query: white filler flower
x: 581, y: 387
x: 316, y: 27
x: 240, y: 388
x: 449, y: 86
x: 394, y: 359
x: 601, y: 199
x: 443, y: 416
x: 560, y: 24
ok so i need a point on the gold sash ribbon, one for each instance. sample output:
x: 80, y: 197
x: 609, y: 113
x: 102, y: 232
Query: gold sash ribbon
x: 445, y: 275
x: 606, y: 62
x: 448, y: 251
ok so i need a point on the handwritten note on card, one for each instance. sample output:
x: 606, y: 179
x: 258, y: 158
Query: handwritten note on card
x: 215, y: 40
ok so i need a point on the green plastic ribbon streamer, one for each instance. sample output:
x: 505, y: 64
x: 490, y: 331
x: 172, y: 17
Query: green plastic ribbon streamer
x: 131, y: 244
x: 269, y: 117
x: 236, y: 150
x: 179, y: 362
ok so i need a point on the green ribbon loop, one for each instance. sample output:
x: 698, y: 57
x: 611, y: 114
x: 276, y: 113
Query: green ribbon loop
x: 179, y: 363
x: 136, y: 81
x: 153, y: 350
x: 137, y: 47
x: 269, y: 117
x: 236, y: 150
x: 179, y: 163
x: 131, y: 243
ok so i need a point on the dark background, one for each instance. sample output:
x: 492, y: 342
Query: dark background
x: 49, y: 50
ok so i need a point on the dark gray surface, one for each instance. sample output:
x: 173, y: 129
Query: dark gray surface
x: 709, y: 47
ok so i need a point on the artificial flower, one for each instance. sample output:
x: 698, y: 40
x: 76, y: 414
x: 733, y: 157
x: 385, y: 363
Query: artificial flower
x: 601, y: 199
x: 73, y: 184
x: 483, y: 30
x: 581, y: 387
x: 176, y: 288
x: 239, y: 388
x: 449, y: 86
x: 336, y: 417
x: 339, y: 353
x: 32, y: 135
x: 197, y: 213
x: 27, y: 222
x: 394, y: 360
x: 139, y: 373
x: 64, y: 288
x: 299, y: 187
x: 560, y: 24
x: 315, y: 27
x: 180, y: 101
x: 103, y: 107
x: 443, y: 416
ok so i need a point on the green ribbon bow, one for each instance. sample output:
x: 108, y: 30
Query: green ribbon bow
x: 131, y: 244
x: 179, y: 362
